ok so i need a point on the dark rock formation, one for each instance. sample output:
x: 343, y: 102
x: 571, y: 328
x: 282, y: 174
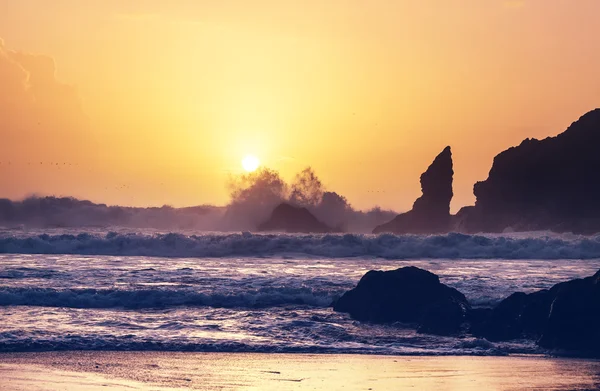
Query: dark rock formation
x: 444, y: 317
x: 431, y: 211
x: 289, y: 218
x: 567, y: 316
x: 518, y: 316
x: 550, y: 184
x: 409, y: 295
x: 573, y: 322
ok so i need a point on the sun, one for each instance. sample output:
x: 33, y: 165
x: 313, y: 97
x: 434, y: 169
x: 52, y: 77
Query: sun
x: 250, y: 163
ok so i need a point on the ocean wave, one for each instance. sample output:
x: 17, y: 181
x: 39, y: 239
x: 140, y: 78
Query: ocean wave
x: 162, y: 298
x: 16, y: 343
x: 448, y: 246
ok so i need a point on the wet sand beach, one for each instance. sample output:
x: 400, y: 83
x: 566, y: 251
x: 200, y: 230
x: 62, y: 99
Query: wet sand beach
x: 244, y: 371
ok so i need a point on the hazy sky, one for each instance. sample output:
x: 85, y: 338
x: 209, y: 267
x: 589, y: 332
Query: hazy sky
x: 154, y: 102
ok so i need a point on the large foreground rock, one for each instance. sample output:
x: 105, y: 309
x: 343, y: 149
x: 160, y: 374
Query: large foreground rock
x: 409, y: 295
x: 566, y: 317
x: 289, y: 218
x: 550, y: 184
x: 431, y: 211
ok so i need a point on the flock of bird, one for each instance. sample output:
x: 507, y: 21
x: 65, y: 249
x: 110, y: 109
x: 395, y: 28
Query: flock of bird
x: 9, y: 163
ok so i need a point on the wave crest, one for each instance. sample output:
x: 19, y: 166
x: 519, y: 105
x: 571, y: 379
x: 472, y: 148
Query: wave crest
x: 448, y: 246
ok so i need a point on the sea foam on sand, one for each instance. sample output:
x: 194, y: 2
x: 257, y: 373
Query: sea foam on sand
x: 235, y: 371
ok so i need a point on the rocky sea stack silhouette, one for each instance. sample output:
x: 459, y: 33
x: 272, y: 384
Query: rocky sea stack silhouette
x: 431, y: 211
x: 550, y: 184
x: 289, y: 218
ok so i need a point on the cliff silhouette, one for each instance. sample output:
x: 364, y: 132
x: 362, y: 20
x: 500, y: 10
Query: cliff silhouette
x: 550, y: 184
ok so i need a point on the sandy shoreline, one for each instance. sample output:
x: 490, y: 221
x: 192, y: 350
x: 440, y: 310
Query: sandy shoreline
x: 236, y: 371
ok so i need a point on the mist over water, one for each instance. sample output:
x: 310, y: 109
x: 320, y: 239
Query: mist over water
x: 253, y: 197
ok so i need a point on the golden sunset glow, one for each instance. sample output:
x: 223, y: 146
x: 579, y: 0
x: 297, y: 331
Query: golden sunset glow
x: 250, y: 163
x: 154, y: 102
x: 299, y: 195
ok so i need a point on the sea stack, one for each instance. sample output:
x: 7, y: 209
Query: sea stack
x: 431, y: 211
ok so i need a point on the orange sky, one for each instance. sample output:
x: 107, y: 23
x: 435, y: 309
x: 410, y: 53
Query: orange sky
x: 156, y: 102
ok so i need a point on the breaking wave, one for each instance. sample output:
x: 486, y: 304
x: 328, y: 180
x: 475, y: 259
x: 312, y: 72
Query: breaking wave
x: 448, y: 246
x: 161, y: 298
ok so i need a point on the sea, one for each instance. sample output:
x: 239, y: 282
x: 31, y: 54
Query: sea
x: 144, y: 290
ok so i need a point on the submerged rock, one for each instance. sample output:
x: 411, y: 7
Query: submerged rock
x: 549, y: 184
x: 431, y: 211
x: 409, y: 295
x: 289, y: 218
